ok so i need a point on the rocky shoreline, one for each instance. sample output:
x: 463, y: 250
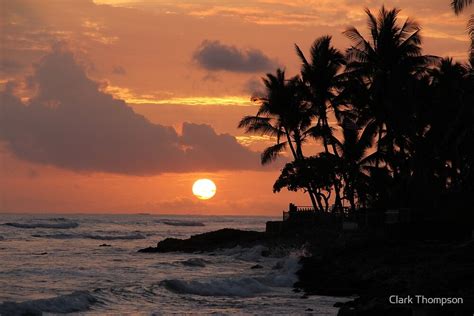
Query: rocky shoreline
x: 357, y: 265
x: 379, y: 270
x: 210, y: 241
x: 228, y: 238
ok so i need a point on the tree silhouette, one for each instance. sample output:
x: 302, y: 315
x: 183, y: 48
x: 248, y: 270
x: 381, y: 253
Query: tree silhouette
x: 321, y: 78
x: 405, y: 133
x: 282, y: 115
x: 386, y: 62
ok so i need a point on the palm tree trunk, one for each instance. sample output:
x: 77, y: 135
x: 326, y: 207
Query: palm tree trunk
x: 297, y: 157
x: 338, y: 200
x: 377, y: 161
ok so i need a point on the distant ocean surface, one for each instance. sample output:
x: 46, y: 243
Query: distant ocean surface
x: 88, y: 264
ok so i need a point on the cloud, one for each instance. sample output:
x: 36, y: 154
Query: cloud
x: 71, y: 123
x: 254, y: 87
x: 215, y: 56
x: 9, y: 66
x: 119, y: 70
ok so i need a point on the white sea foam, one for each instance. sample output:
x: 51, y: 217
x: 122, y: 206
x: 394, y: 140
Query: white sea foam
x: 91, y: 236
x: 75, y: 302
x: 285, y: 274
x: 56, y: 225
x: 245, y: 286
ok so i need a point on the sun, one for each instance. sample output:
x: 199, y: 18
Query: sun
x: 204, y: 189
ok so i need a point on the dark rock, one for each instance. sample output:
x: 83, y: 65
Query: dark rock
x: 219, y: 239
x: 257, y: 266
x: 105, y: 245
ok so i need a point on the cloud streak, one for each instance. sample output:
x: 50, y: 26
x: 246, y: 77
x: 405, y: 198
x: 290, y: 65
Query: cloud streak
x: 71, y: 123
x: 133, y: 98
x: 216, y: 56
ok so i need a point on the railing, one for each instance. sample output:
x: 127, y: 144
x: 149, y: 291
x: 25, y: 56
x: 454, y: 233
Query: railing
x: 298, y: 210
x: 308, y: 210
x: 305, y: 209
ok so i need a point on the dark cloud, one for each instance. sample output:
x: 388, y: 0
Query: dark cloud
x: 254, y: 87
x: 9, y: 66
x: 214, y: 56
x: 70, y: 123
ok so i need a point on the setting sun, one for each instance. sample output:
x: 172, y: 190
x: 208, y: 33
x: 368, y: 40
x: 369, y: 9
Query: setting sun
x: 204, y: 189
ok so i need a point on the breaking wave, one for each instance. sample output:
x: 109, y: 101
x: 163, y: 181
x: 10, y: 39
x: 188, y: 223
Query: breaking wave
x: 91, y: 236
x: 242, y: 287
x: 57, y: 225
x: 246, y: 254
x: 285, y: 276
x: 75, y: 302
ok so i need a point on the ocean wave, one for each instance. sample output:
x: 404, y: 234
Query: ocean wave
x: 91, y: 236
x: 61, y: 225
x: 75, y: 302
x: 242, y: 287
x: 284, y: 273
x: 194, y: 262
x: 283, y: 276
x: 172, y: 222
x: 244, y: 254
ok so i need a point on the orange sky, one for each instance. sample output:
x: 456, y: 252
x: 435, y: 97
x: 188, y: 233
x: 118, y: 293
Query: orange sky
x: 195, y: 61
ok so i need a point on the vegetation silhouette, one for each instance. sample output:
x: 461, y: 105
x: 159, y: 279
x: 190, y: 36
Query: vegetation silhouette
x: 404, y: 121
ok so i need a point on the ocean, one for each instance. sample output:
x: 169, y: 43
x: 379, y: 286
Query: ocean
x: 89, y: 265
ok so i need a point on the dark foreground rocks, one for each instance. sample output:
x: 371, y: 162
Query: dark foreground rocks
x: 219, y: 239
x: 374, y: 270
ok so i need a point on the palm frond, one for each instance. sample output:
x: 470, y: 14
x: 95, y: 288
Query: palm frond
x: 271, y: 153
x: 459, y: 5
x: 367, y: 137
x: 300, y: 54
x: 372, y: 159
x: 258, y: 125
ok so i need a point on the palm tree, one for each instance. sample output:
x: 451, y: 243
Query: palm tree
x: 458, y: 6
x: 452, y: 87
x: 386, y: 63
x: 320, y: 76
x: 355, y: 160
x: 283, y: 115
